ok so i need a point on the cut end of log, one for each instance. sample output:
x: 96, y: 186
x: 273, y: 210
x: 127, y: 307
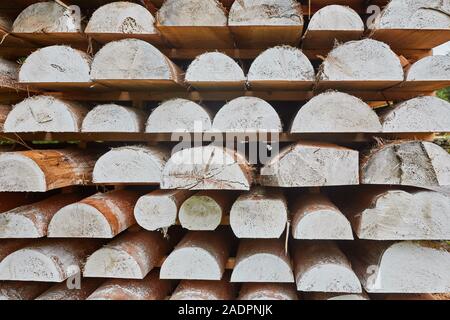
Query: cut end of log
x: 362, y: 60
x: 212, y: 67
x: 47, y: 17
x: 201, y: 290
x: 262, y: 261
x: 413, y: 163
x: 317, y: 218
x: 336, y: 17
x: 61, y: 291
x: 335, y: 112
x: 20, y: 173
x: 121, y: 17
x: 247, y: 114
x: 130, y: 59
x: 133, y: 164
x: 267, y: 291
x: 207, y: 168
x: 430, y: 68
x: 178, y: 115
x: 283, y: 63
x: 45, y: 114
x: 259, y: 214
x: 201, y: 212
x: 265, y: 12
x: 56, y: 64
x: 421, y: 114
x: 186, y: 13
x: 309, y: 165
x: 113, y: 118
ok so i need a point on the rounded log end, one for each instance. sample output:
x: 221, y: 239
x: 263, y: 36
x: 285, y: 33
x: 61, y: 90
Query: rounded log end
x: 323, y: 225
x: 113, y: 118
x: 262, y: 267
x: 200, y: 213
x: 267, y: 291
x: 79, y: 220
x: 176, y: 13
x: 191, y: 263
x: 214, y: 66
x: 430, y: 68
x: 153, y: 213
x: 336, y: 17
x: 15, y: 226
x: 19, y: 173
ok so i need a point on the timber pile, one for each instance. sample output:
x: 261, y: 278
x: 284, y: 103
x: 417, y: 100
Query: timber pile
x: 113, y: 173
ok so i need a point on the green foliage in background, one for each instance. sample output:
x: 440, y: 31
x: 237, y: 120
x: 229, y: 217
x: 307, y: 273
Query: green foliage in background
x: 444, y: 94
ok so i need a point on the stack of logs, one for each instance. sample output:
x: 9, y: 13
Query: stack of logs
x: 306, y: 170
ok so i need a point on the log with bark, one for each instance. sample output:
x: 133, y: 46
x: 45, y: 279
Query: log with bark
x: 268, y: 291
x: 149, y: 288
x: 43, y: 170
x: 323, y: 267
x: 204, y: 290
x: 315, y: 217
x: 205, y: 210
x: 45, y: 114
x: 421, y: 114
x: 131, y: 164
x: 131, y: 255
x: 61, y: 291
x: 262, y: 261
x: 47, y: 260
x: 207, y: 168
x: 390, y: 213
x: 308, y: 164
x: 134, y: 64
x: 413, y: 163
x: 200, y: 255
x: 334, y: 296
x: 179, y: 115
x: 281, y: 67
x: 247, y: 114
x: 31, y: 220
x: 335, y: 111
x: 9, y: 74
x: 401, y: 267
x: 4, y: 111
x: 114, y: 118
x: 102, y: 215
x: 215, y: 70
x: 159, y: 209
x: 261, y: 213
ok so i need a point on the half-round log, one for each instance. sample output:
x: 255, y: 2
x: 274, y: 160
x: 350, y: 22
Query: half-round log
x: 267, y: 291
x: 186, y: 13
x: 4, y: 111
x: 247, y: 114
x: 178, y: 115
x: 31, y: 221
x: 261, y: 213
x: 315, y: 217
x: 335, y: 111
x: 205, y: 210
x: 43, y: 170
x: 413, y: 163
x: 204, y: 290
x: 49, y: 260
x: 336, y: 17
x: 133, y: 59
x: 21, y: 290
x: 132, y: 255
x: 215, y: 70
x: 382, y: 213
x: 130, y: 164
x: 367, y: 59
x: 113, y: 118
x: 159, y: 209
x: 60, y: 291
x: 430, y: 68
x: 45, y: 114
x: 281, y: 67
x: 207, y: 168
x: 47, y: 17
x: 103, y: 215
x: 322, y: 267
x: 421, y: 114
x: 311, y: 165
x: 262, y: 261
x: 199, y: 255
x: 149, y: 288
x: 402, y: 267
x: 56, y: 64
x: 121, y: 17
x: 414, y: 14
x: 9, y: 74
x: 265, y: 12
